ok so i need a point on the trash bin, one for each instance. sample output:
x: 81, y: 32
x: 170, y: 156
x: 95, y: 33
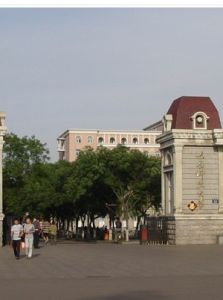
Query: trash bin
x: 106, y: 235
x: 143, y: 236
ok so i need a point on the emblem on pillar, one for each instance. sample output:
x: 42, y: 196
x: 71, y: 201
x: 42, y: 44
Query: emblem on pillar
x: 192, y: 205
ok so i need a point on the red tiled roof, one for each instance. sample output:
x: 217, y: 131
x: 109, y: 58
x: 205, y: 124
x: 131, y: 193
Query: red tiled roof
x: 183, y: 108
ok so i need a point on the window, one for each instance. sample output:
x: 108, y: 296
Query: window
x: 146, y: 141
x: 123, y: 141
x: 112, y: 140
x: 135, y: 141
x: 90, y: 139
x: 100, y: 140
x: 200, y: 120
x: 146, y: 153
x: 78, y: 139
x: 168, y: 159
x: 78, y: 152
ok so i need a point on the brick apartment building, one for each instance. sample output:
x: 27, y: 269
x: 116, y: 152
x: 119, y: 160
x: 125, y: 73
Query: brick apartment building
x: 72, y: 141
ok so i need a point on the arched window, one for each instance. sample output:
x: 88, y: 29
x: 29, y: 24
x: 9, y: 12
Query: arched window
x: 123, y: 141
x: 112, y: 140
x: 78, y: 139
x: 100, y: 140
x: 90, y: 139
x: 135, y: 140
x: 200, y: 120
x: 146, y: 141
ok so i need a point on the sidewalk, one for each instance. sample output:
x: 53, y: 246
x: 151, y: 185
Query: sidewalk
x: 109, y: 271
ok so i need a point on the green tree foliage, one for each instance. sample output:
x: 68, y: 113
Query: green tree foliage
x: 135, y: 180
x: 87, y: 187
x: 119, y: 182
x: 126, y: 181
x: 19, y: 157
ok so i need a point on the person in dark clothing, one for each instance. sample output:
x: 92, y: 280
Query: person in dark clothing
x: 118, y: 230
x: 118, y: 223
x: 36, y: 234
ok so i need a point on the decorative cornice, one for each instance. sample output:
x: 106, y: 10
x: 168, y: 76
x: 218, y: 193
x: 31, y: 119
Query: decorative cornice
x: 218, y: 136
x: 214, y: 136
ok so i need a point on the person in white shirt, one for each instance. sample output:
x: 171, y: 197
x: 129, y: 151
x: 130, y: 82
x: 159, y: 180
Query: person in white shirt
x: 16, y: 233
x: 29, y: 230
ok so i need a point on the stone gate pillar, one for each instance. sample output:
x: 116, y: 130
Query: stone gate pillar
x: 2, y: 133
x: 192, y: 171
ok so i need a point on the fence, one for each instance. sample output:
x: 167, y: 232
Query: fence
x: 157, y: 230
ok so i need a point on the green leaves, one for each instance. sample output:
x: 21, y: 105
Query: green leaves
x: 119, y: 182
x: 20, y: 158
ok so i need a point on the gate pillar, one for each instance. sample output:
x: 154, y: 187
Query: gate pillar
x: 192, y: 171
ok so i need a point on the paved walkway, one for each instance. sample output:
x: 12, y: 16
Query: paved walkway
x: 108, y: 271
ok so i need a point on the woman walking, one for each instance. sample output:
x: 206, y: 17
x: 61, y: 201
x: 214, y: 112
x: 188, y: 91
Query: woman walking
x: 29, y: 230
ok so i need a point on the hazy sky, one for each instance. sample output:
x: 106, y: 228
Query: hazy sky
x: 104, y: 68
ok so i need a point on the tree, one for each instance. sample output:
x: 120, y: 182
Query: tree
x: 135, y: 180
x: 119, y: 182
x: 147, y: 189
x: 87, y: 187
x: 19, y: 156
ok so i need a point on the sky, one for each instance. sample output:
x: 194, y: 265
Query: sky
x: 64, y: 68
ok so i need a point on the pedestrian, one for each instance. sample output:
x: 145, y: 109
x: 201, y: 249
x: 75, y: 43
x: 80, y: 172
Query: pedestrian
x: 41, y: 228
x: 118, y: 230
x: 118, y: 224
x: 29, y: 231
x: 36, y: 235
x: 45, y: 229
x: 53, y: 232
x: 16, y: 233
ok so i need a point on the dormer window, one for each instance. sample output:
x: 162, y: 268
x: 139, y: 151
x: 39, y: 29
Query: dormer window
x: 199, y: 120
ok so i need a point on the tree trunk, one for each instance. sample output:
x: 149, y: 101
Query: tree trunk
x: 137, y: 226
x: 76, y: 226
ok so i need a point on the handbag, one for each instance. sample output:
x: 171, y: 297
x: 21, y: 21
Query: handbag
x: 22, y: 245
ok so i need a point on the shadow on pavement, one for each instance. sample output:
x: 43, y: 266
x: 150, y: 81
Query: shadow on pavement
x: 23, y: 256
x: 136, y: 295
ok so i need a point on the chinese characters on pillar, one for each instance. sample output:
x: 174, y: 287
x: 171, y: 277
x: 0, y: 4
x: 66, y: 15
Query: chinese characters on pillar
x: 200, y: 174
